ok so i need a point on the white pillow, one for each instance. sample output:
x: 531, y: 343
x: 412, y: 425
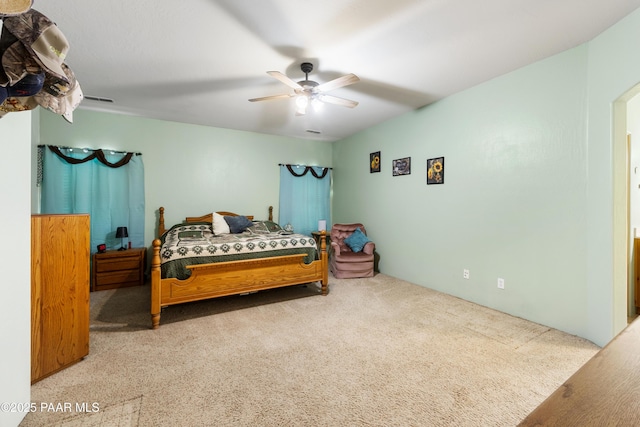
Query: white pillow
x: 220, y: 226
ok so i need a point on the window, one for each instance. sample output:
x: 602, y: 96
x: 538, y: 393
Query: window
x: 107, y: 185
x: 304, y: 197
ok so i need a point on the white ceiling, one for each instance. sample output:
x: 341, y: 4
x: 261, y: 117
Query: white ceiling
x: 199, y: 61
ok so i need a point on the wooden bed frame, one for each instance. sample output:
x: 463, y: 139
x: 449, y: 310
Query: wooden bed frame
x: 232, y: 277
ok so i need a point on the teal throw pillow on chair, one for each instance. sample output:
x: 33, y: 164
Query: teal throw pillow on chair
x: 357, y: 240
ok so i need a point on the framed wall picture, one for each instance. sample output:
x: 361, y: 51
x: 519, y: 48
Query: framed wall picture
x: 374, y: 162
x: 435, y: 170
x: 402, y: 166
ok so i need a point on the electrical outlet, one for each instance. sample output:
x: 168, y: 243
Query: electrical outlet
x: 500, y: 283
x: 465, y: 273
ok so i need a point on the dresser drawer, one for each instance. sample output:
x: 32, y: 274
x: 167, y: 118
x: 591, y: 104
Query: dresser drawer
x: 118, y: 269
x: 118, y: 277
x: 116, y: 264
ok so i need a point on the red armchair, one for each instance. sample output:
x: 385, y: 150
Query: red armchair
x: 353, y: 257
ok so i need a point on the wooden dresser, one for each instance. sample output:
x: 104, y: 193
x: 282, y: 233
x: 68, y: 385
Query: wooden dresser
x: 118, y: 269
x: 59, y: 292
x: 636, y: 266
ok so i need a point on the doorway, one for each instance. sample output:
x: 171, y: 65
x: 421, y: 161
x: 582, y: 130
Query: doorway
x: 626, y: 203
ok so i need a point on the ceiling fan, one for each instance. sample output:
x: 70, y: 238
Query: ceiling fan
x: 307, y: 92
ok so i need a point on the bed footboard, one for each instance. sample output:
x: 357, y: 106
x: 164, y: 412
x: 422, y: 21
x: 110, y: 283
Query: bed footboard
x: 234, y: 277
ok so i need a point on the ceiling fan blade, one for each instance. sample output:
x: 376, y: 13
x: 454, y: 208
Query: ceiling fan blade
x: 270, y: 97
x: 284, y: 79
x: 330, y: 99
x: 349, y: 79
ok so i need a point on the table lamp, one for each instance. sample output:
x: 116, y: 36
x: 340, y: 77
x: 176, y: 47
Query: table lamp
x: 121, y: 232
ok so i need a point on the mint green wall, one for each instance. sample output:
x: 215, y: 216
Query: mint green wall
x: 633, y: 128
x: 613, y: 70
x: 534, y: 189
x: 191, y: 170
x: 528, y: 193
x: 513, y: 202
x: 15, y: 304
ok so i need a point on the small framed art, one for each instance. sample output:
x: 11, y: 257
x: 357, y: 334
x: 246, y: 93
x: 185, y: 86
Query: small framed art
x: 435, y: 170
x: 374, y: 162
x: 402, y: 166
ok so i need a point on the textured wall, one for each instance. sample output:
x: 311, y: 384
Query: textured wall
x: 513, y: 202
x: 191, y: 170
x: 613, y: 71
x: 534, y: 189
x: 15, y: 304
x: 529, y: 186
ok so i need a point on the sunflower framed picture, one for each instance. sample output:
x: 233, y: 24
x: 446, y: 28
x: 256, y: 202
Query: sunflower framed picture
x: 435, y: 170
x: 374, y: 162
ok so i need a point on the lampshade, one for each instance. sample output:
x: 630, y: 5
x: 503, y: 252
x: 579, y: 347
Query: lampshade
x: 122, y: 232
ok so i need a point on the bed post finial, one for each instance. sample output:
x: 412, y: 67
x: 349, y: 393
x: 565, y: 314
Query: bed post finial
x: 161, y: 228
x: 270, y: 213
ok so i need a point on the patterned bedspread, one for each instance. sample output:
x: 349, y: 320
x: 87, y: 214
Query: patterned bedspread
x: 195, y: 243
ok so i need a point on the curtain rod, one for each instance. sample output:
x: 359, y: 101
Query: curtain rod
x: 324, y: 167
x: 91, y: 149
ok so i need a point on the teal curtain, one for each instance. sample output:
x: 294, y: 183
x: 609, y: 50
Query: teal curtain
x: 304, y: 197
x: 112, y: 196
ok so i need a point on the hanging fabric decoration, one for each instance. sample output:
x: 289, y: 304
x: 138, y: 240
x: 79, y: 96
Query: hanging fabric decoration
x: 304, y: 198
x: 311, y: 169
x: 76, y: 180
x: 96, y: 154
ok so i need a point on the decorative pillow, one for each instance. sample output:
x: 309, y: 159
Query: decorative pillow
x: 237, y: 224
x: 357, y: 240
x: 205, y: 229
x: 259, y: 227
x: 220, y: 226
x: 273, y: 227
x: 190, y: 234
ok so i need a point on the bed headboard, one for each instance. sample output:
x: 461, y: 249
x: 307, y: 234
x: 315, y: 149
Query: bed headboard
x: 204, y: 218
x: 209, y: 217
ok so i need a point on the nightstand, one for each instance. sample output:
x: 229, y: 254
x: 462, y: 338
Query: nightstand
x: 118, y: 269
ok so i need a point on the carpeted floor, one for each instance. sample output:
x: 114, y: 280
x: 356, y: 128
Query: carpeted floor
x: 374, y: 352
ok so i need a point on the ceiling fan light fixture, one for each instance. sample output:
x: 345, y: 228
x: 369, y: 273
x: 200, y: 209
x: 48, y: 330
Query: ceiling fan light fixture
x: 302, y: 102
x: 307, y: 92
x: 317, y: 104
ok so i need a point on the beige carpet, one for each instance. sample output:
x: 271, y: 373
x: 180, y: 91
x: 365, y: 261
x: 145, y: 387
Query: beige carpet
x: 374, y: 352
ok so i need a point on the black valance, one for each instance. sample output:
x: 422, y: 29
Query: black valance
x: 325, y: 171
x: 95, y: 154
